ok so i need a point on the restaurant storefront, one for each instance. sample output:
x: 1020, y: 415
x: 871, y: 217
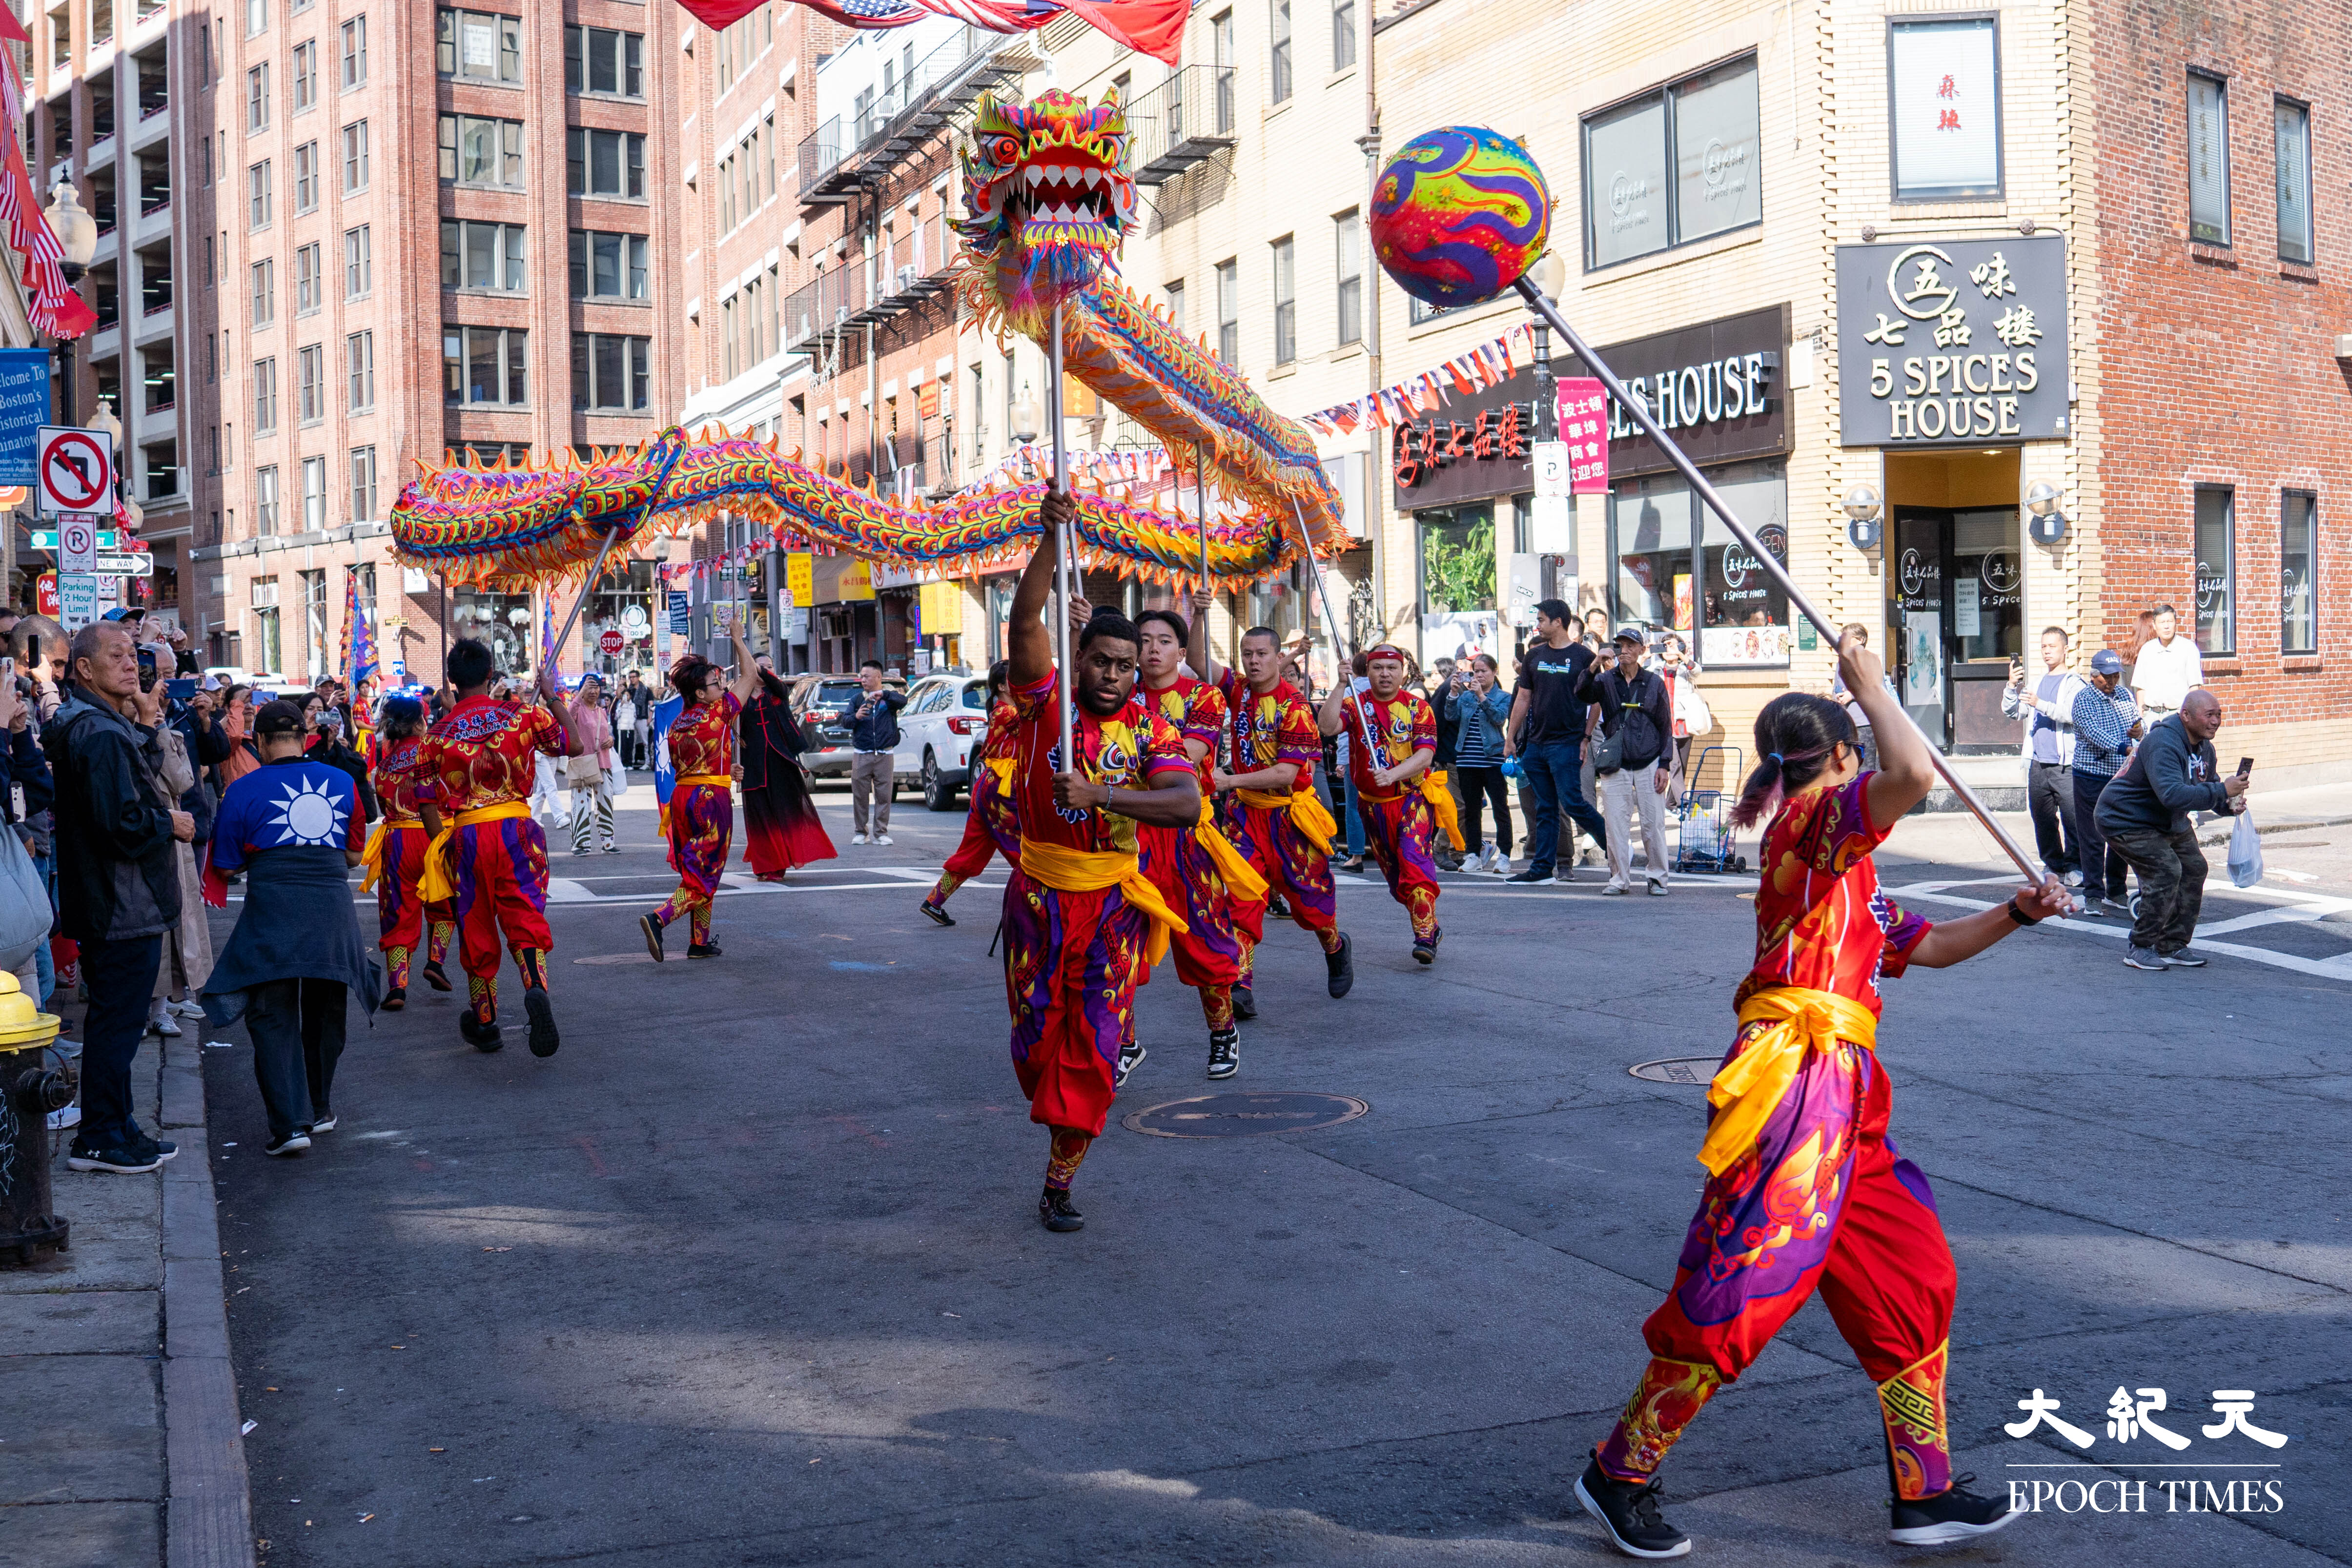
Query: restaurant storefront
x: 1465, y: 474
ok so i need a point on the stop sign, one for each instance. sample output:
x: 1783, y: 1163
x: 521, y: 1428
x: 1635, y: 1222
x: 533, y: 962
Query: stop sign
x: 612, y: 642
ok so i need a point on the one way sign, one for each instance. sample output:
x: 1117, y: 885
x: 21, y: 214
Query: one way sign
x: 76, y: 470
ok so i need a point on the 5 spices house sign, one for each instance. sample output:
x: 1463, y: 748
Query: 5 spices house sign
x: 1952, y: 342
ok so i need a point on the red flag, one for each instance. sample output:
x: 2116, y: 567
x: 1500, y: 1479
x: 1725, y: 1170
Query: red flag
x: 1154, y: 27
x: 12, y: 29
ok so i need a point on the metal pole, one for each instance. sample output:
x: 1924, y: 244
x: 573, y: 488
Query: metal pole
x: 1342, y: 661
x: 1200, y: 506
x: 1063, y: 543
x: 1649, y: 425
x: 594, y: 572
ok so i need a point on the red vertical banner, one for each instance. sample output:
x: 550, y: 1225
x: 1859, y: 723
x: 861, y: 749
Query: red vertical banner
x: 1584, y: 429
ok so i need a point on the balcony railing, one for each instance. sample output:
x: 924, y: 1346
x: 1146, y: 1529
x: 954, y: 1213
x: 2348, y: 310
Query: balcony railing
x: 1185, y: 120
x: 950, y: 78
x: 916, y: 267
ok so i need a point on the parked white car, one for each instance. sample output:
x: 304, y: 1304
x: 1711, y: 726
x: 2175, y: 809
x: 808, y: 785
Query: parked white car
x: 939, y: 732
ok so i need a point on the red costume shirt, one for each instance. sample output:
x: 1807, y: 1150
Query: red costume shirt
x: 702, y: 738
x: 1132, y: 749
x: 1197, y: 709
x: 486, y: 752
x: 403, y: 783
x: 1406, y: 723
x: 1270, y: 727
x: 1822, y: 921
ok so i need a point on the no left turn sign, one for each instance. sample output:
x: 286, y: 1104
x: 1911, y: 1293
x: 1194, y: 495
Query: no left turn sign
x: 76, y: 470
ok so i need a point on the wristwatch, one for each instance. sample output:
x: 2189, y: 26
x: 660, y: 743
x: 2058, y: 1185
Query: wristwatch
x: 2019, y: 915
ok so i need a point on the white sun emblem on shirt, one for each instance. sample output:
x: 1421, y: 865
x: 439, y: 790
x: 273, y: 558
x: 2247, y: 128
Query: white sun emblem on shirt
x: 311, y: 814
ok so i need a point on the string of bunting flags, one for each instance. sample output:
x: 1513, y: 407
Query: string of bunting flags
x: 1468, y: 372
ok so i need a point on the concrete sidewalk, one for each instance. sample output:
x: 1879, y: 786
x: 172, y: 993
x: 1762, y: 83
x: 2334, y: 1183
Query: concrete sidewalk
x: 119, y: 1428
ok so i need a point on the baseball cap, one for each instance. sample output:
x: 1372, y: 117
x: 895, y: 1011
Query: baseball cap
x: 280, y: 717
x: 2107, y: 661
x: 1631, y: 635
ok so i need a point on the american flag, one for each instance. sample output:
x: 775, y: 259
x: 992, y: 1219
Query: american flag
x: 1150, y: 27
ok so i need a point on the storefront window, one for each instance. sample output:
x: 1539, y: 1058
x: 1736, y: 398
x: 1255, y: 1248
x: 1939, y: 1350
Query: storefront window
x: 500, y: 619
x: 2298, y: 573
x: 1742, y: 613
x: 1457, y: 582
x: 2217, y: 607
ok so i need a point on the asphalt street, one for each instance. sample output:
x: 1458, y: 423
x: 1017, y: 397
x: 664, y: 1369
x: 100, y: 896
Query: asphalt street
x: 749, y: 1274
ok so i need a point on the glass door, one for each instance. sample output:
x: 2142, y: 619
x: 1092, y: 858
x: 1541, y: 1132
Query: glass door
x: 1958, y: 610
x: 1917, y: 660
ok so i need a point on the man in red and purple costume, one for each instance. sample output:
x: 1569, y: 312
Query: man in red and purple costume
x: 1391, y: 774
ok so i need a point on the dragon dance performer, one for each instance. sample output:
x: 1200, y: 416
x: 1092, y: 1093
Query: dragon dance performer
x: 1197, y: 870
x: 1267, y: 802
x: 780, y: 826
x: 988, y: 825
x: 700, y: 815
x: 396, y: 852
x: 1082, y: 923
x: 1396, y: 799
x: 490, y: 855
x: 1805, y: 1188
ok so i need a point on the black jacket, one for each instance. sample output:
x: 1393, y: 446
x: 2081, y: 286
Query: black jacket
x: 874, y: 721
x: 117, y: 878
x: 1637, y: 707
x: 2168, y: 777
x: 208, y: 747
x: 330, y: 750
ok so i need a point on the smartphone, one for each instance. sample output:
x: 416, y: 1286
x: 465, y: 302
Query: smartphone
x: 146, y: 669
x: 184, y: 688
x: 2245, y: 766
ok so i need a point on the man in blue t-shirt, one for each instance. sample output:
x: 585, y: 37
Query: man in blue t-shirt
x: 1547, y: 735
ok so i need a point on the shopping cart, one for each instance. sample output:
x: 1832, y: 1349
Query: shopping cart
x: 1703, y: 832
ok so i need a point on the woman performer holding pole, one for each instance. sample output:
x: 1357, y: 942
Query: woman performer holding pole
x: 396, y: 852
x: 701, y: 808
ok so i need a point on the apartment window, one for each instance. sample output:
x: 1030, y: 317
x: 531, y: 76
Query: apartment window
x: 257, y: 17
x: 2291, y: 133
x: 2209, y: 159
x: 728, y: 344
x: 213, y: 454
x: 604, y: 162
x: 1347, y: 245
x: 265, y: 292
x: 204, y: 159
x: 358, y: 366
x: 481, y: 255
x: 2298, y: 573
x: 598, y: 59
x: 309, y: 279
x: 314, y: 499
x: 478, y: 152
x: 306, y: 177
x: 363, y: 484
x: 1278, y: 80
x: 208, y: 261
x: 256, y: 195
x: 1221, y: 37
x: 1943, y: 110
x: 355, y: 158
x: 256, y: 99
x: 311, y: 384
x: 1175, y: 292
x: 1343, y: 34
x: 306, y: 75
x: 478, y: 46
x: 1671, y: 166
x: 264, y: 396
x: 727, y: 195
x: 2217, y: 543
x: 358, y: 262
x: 609, y: 265
x: 485, y: 365
x: 265, y: 501
x: 1229, y: 312
x: 354, y: 52
x: 612, y: 373
x: 1285, y: 301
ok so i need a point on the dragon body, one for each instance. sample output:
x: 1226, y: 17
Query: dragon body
x: 1047, y: 202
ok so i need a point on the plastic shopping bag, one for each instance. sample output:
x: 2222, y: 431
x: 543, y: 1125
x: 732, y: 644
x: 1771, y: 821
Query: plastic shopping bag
x: 2245, y: 851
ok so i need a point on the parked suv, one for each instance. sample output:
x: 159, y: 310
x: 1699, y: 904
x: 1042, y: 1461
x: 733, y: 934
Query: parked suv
x: 939, y: 732
x: 820, y: 704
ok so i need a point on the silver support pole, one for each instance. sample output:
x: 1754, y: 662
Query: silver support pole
x: 586, y: 588
x: 1063, y: 544
x: 1343, y: 663
x: 1648, y: 424
x: 1201, y: 507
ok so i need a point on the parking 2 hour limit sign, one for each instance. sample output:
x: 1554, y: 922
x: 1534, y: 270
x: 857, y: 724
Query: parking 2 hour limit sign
x: 74, y: 470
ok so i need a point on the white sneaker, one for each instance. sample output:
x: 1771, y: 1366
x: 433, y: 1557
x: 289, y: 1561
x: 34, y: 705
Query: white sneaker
x: 191, y: 1009
x: 1657, y: 887
x: 1502, y: 866
x: 881, y: 838
x: 857, y: 838
x: 165, y: 1025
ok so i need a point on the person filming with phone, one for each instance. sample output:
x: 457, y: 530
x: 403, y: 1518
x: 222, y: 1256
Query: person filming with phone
x: 2145, y: 814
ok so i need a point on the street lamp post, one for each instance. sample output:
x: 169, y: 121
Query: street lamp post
x: 77, y: 234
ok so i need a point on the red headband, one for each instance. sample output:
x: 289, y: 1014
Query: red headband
x: 1384, y: 650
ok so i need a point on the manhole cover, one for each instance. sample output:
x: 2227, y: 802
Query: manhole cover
x: 1244, y: 1116
x: 1699, y: 1071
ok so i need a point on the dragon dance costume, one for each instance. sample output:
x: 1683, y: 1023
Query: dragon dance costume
x: 1079, y: 913
x: 1197, y: 870
x: 1806, y: 1190
x: 396, y: 863
x: 490, y: 858
x: 1399, y: 817
x: 700, y: 816
x: 989, y: 828
x: 1286, y: 838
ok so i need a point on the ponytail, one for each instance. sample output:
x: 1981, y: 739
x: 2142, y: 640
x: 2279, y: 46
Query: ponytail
x: 1795, y: 735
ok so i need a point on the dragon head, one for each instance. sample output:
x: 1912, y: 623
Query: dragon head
x: 1047, y: 193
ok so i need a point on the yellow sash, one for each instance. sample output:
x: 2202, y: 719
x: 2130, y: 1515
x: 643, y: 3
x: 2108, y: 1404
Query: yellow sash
x: 1440, y: 805
x: 1749, y: 1088
x: 371, y: 857
x: 1307, y: 813
x: 1241, y: 877
x: 709, y: 780
x: 440, y: 878
x: 1002, y: 767
x: 1066, y: 870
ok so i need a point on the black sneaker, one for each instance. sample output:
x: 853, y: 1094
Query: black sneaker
x: 136, y: 1159
x: 162, y: 1150
x: 1224, y: 1052
x: 2140, y: 957
x: 482, y: 1037
x: 1278, y: 906
x: 323, y: 1121
x: 434, y: 975
x: 1424, y: 949
x: 543, y: 1038
x: 2184, y: 959
x: 937, y: 912
x: 293, y: 1143
x: 1130, y: 1055
x: 395, y: 999
x: 1529, y: 877
x: 652, y: 929
x: 1245, y: 1003
x: 1054, y: 1209
x: 705, y: 950
x: 1957, y: 1514
x: 1341, y: 968
x: 1627, y: 1510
